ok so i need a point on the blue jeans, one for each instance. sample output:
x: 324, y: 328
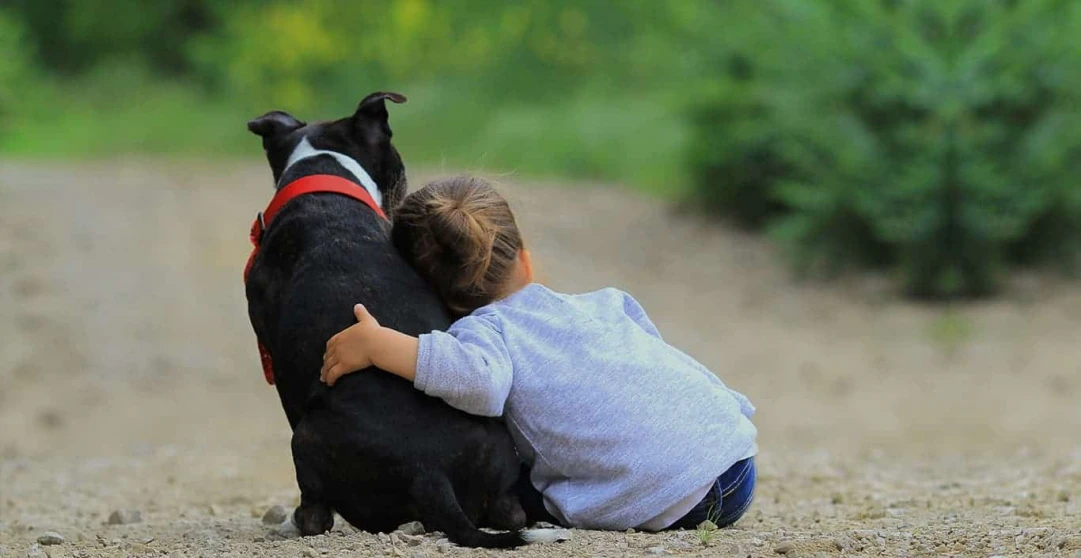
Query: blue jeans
x: 728, y: 499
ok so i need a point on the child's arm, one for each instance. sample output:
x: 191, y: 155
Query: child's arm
x: 368, y: 344
x: 468, y: 367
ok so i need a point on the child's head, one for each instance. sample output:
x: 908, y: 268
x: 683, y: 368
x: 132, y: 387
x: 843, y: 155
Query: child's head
x: 460, y: 234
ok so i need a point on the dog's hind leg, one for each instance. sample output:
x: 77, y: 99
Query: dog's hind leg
x: 506, y: 512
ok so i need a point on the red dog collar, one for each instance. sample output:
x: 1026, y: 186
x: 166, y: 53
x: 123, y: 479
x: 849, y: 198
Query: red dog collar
x: 314, y: 184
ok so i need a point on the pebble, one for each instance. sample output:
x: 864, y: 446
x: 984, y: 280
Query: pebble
x: 656, y: 551
x: 840, y: 544
x: 412, y: 528
x: 50, y: 538
x: 413, y: 540
x: 275, y: 515
x: 309, y: 552
x: 287, y: 530
x: 707, y: 525
x: 784, y: 547
x: 125, y: 517
x: 35, y: 552
x: 443, y: 545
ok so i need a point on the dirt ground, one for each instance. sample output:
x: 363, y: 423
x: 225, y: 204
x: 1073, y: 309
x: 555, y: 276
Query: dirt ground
x: 129, y: 380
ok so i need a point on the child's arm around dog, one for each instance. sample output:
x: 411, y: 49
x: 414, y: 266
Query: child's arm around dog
x: 474, y: 355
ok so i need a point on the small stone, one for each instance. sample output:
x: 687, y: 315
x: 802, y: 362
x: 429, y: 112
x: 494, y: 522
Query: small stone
x: 275, y: 515
x: 49, y: 538
x: 35, y: 552
x: 840, y: 544
x: 309, y: 553
x: 412, y: 540
x: 412, y: 528
x: 656, y: 551
x: 784, y: 547
x: 443, y: 545
x: 213, y: 510
x: 707, y: 525
x: 287, y: 529
x: 125, y: 517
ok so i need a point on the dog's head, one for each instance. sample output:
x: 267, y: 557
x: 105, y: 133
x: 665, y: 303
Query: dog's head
x: 363, y: 137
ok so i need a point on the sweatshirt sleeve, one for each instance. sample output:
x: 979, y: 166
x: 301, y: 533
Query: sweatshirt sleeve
x: 468, y: 367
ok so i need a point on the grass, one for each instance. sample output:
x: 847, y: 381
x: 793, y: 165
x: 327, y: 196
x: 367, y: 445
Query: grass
x: 634, y: 140
x: 705, y: 536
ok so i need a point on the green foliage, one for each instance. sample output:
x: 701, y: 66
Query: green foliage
x: 940, y: 137
x: 567, y: 87
x: 936, y: 137
x: 13, y: 65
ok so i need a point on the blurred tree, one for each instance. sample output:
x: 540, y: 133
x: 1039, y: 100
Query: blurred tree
x: 73, y: 35
x: 13, y: 64
x: 940, y: 137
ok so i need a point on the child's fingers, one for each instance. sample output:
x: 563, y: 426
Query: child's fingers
x: 361, y: 313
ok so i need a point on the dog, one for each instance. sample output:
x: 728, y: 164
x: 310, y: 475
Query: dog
x: 372, y: 448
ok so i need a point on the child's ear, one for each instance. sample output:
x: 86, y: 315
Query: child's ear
x: 526, y: 260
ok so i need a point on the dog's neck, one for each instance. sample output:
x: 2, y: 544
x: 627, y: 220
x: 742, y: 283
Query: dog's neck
x: 305, y: 150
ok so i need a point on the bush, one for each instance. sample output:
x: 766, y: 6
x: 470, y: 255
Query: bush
x: 940, y: 138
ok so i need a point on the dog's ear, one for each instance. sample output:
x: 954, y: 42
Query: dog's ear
x: 370, y: 122
x: 274, y: 123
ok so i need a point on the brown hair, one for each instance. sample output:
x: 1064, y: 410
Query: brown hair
x: 460, y: 234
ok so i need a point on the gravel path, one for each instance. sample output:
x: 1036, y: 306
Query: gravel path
x: 134, y: 419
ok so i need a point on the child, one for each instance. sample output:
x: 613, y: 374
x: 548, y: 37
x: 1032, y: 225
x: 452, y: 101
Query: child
x: 621, y: 429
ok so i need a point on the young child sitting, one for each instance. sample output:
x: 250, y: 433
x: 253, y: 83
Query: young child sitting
x: 621, y: 429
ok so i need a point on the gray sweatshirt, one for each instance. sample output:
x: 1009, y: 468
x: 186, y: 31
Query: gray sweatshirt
x: 619, y: 426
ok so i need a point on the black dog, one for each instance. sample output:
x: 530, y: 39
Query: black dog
x: 373, y: 448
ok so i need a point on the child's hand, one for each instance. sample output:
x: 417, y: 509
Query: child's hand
x: 350, y: 350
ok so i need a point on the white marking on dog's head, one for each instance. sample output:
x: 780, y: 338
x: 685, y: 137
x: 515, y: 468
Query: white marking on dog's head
x: 305, y: 150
